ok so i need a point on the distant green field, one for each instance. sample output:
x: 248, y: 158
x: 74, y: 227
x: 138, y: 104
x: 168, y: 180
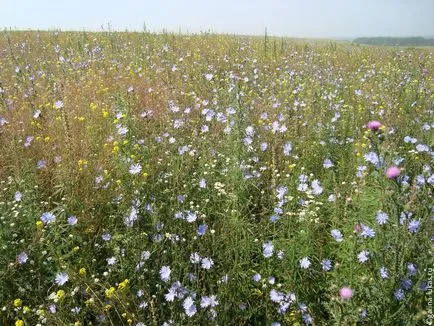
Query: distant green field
x: 395, y: 41
x: 214, y: 180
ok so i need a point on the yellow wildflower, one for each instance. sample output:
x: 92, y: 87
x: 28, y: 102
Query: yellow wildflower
x: 60, y: 294
x: 19, y: 322
x: 123, y: 284
x: 18, y: 302
x: 109, y: 292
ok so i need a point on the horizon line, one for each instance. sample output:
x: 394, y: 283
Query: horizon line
x: 186, y: 32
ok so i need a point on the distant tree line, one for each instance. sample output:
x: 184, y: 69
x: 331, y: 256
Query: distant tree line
x: 395, y: 41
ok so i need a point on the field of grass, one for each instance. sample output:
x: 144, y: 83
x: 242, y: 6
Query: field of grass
x: 214, y: 180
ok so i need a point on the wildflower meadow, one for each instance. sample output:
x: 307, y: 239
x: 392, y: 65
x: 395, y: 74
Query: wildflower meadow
x: 164, y: 179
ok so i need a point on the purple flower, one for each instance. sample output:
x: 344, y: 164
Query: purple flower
x: 316, y: 188
x: 420, y: 180
x: 135, y: 169
x: 183, y: 149
x: 131, y: 217
x: 18, y: 196
x: 399, y: 294
x: 28, y: 142
x: 367, y: 232
x: 281, y: 191
x: 170, y: 296
x: 307, y: 319
x: 250, y: 131
x: 337, y: 235
x: 414, y: 226
x: 58, y: 104
x: 202, y: 183
x: 195, y: 258
x: 210, y: 301
x: 191, y: 217
x: 189, y: 307
x: 422, y: 148
x: 393, y: 172
x: 302, y: 307
x: 412, y: 271
x: 22, y: 258
x: 48, y: 218
x: 326, y: 265
x: 363, y: 256
x: 382, y: 218
x: 106, y: 236
x: 256, y: 277
x: 360, y: 170
x: 276, y: 296
x: 302, y: 178
x: 374, y: 125
x: 52, y: 308
x: 268, y: 249
x: 302, y: 187
x: 372, y: 158
x: 61, y: 278
x: 384, y: 272
x: 406, y: 284
x: 76, y: 310
x: 248, y: 141
x: 305, y: 263
x: 72, y: 220
x: 424, y: 286
x: 287, y: 148
x: 327, y: 164
x: 165, y: 273
x: 230, y: 110
x: 121, y: 129
x: 201, y: 230
x: 41, y: 164
x: 346, y: 293
x: 204, y: 128
x: 206, y: 263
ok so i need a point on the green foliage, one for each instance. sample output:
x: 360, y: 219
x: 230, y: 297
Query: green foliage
x: 232, y: 162
x: 395, y: 41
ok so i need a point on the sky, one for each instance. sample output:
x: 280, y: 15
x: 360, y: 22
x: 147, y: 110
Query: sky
x: 292, y: 18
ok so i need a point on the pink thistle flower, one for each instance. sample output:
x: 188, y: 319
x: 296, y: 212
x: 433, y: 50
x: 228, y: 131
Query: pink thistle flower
x: 374, y: 125
x: 393, y: 172
x: 346, y: 293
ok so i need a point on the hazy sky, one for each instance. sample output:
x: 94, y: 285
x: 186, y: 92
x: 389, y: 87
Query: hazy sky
x: 298, y: 18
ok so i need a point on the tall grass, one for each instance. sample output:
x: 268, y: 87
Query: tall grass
x: 126, y: 155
